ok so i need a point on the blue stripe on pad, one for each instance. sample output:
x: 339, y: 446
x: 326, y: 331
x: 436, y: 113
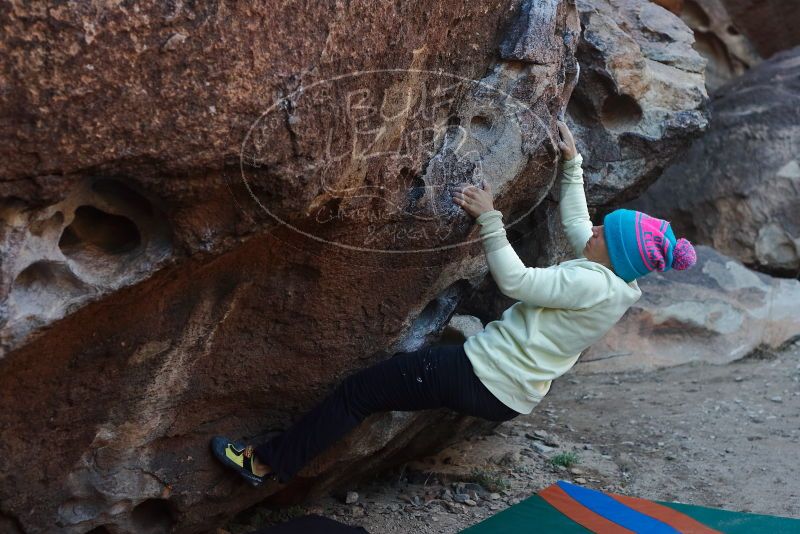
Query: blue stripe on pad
x: 613, y: 510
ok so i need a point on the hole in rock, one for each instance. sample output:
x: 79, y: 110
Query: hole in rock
x: 694, y: 16
x: 620, y: 111
x: 454, y: 132
x: 514, y: 236
x: 329, y: 211
x: 99, y: 530
x: 719, y: 68
x: 415, y: 185
x: 434, y: 316
x: 480, y: 126
x: 733, y: 31
x: 124, y: 197
x: 103, y: 232
x: 153, y: 516
x: 43, y: 288
x: 515, y: 67
x: 451, y: 336
x: 431, y: 312
x: 580, y: 109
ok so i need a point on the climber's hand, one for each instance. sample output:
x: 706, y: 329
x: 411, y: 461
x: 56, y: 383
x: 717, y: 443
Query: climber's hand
x: 567, y: 142
x: 475, y: 200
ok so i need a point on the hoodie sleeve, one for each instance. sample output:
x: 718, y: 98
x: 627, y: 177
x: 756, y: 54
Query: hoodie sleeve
x: 551, y: 287
x: 574, y: 213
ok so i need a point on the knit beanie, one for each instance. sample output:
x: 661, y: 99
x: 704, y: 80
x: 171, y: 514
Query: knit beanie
x: 638, y: 244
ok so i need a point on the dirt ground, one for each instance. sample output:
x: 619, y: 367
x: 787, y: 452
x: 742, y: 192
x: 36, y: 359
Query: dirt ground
x: 723, y: 436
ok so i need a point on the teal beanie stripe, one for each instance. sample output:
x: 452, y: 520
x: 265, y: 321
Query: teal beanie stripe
x: 622, y: 247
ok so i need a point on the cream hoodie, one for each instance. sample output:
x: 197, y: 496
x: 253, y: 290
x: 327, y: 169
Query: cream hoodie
x: 562, y: 309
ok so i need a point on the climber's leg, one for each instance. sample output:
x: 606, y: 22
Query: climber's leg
x: 460, y: 390
x: 431, y: 377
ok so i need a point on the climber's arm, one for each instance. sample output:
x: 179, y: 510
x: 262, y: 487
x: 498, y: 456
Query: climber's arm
x: 551, y: 287
x: 574, y: 213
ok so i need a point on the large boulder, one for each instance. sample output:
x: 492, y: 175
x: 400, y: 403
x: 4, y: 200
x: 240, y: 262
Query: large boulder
x: 716, y: 312
x: 640, y: 98
x: 738, y: 187
x: 211, y: 213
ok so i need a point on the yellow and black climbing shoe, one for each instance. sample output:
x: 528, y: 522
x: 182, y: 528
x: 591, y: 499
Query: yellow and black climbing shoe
x: 238, y: 457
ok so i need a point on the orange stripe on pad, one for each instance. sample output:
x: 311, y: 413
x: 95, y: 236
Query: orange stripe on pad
x: 558, y: 499
x: 667, y: 515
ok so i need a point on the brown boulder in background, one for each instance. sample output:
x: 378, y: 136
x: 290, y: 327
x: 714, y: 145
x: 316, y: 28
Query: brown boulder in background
x: 771, y: 25
x: 738, y: 187
x: 734, y: 35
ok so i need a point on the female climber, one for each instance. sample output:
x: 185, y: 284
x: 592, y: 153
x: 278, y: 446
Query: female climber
x: 505, y: 370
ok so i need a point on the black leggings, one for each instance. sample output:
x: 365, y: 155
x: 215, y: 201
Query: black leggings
x: 432, y: 377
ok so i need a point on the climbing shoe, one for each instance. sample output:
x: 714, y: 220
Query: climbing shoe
x: 239, y: 457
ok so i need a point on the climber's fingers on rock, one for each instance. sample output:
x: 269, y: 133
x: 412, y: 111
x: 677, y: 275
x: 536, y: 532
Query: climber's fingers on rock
x: 567, y: 143
x: 458, y: 192
x: 471, y: 191
x: 563, y: 129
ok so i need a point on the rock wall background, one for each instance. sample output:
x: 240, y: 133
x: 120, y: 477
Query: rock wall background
x: 718, y: 38
x: 640, y: 99
x: 734, y: 35
x: 737, y: 187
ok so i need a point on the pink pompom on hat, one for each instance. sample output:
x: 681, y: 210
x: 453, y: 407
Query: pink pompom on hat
x: 639, y: 244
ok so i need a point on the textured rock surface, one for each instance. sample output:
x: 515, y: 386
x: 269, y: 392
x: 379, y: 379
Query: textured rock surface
x: 727, y: 51
x: 299, y: 176
x: 738, y: 187
x: 771, y: 25
x: 149, y: 301
x: 104, y: 235
x: 640, y: 98
x: 716, y: 312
